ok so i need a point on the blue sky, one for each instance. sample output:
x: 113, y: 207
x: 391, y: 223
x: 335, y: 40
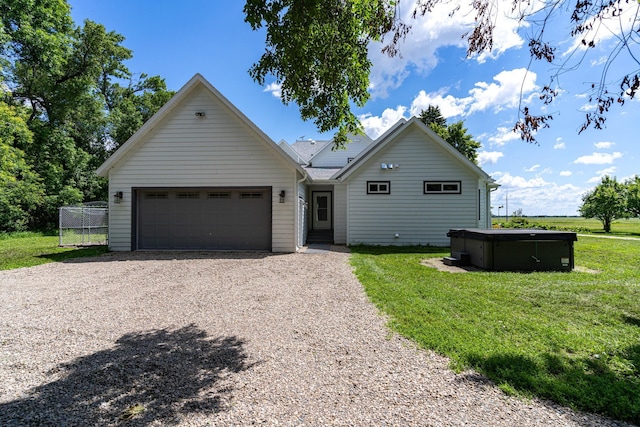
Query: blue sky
x: 178, y: 39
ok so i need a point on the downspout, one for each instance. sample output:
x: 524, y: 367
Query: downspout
x: 306, y: 175
x: 490, y: 189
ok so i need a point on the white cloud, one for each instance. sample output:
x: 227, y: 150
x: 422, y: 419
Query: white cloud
x: 511, y: 181
x: 504, y: 92
x: 450, y: 106
x: 489, y: 157
x: 559, y: 146
x: 566, y: 173
x: 604, y: 145
x: 503, y: 136
x: 437, y: 29
x: 598, y: 158
x: 602, y: 173
x: 507, y: 92
x: 275, y: 89
x: 587, y: 107
x: 374, y: 126
x: 610, y: 26
x: 546, y: 171
x: 599, y: 61
x: 532, y: 168
x: 536, y: 196
x: 607, y: 171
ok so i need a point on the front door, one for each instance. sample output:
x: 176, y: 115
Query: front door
x: 322, y: 210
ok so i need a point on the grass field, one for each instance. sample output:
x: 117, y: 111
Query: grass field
x: 28, y: 249
x: 623, y: 227
x: 573, y: 338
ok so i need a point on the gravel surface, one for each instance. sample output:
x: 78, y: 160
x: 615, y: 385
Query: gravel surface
x: 226, y: 339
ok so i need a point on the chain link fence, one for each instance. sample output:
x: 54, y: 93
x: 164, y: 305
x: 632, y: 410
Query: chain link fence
x: 84, y: 225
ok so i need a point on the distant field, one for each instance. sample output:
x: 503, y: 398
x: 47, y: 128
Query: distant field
x: 621, y: 227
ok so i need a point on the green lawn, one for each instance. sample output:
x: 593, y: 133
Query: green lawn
x: 572, y: 337
x: 622, y: 227
x: 28, y: 249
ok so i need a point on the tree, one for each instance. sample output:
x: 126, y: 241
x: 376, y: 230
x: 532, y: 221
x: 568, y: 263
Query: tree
x: 460, y: 139
x: 133, y: 104
x: 317, y: 51
x: 518, y: 213
x: 432, y: 115
x: 633, y: 196
x: 21, y: 190
x: 81, y: 99
x: 607, y: 202
x: 455, y: 134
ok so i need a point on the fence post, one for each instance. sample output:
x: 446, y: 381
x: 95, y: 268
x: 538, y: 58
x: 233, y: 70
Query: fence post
x: 59, y: 226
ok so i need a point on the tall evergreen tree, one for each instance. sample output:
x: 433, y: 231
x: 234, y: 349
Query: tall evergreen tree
x: 455, y: 134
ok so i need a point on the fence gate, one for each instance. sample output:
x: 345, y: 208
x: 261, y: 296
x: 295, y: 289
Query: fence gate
x: 84, y: 225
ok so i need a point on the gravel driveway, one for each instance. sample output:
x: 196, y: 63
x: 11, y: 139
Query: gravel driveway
x: 225, y: 339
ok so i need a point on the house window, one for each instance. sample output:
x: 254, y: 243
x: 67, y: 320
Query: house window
x: 378, y: 187
x: 442, y: 187
x: 188, y: 195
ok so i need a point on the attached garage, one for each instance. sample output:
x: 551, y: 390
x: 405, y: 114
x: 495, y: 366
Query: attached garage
x: 203, y: 218
x: 198, y: 175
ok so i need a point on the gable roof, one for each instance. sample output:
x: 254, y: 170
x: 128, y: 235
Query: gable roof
x: 287, y: 148
x: 328, y: 145
x: 391, y: 134
x: 309, y: 147
x: 169, y: 107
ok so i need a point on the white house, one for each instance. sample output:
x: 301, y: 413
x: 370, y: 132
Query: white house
x: 199, y: 175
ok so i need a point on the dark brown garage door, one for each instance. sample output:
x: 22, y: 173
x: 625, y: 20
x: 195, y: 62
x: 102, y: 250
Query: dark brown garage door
x: 208, y: 219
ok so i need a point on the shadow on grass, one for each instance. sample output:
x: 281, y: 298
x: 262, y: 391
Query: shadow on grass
x: 91, y: 251
x: 631, y: 320
x: 150, y: 377
x: 587, y: 384
x: 386, y: 250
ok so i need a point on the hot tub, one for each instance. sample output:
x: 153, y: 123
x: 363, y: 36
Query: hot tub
x: 514, y: 249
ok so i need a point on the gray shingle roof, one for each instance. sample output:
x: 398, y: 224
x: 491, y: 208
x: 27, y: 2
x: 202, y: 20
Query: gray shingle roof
x: 321, y: 173
x: 308, y: 148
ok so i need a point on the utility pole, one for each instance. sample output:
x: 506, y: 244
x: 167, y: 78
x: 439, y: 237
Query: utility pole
x: 506, y: 203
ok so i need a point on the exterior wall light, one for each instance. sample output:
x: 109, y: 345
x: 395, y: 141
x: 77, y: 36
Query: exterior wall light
x: 282, y: 193
x: 117, y: 197
x: 200, y: 114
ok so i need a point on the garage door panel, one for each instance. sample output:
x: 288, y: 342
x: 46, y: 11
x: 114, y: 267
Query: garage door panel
x: 215, y: 219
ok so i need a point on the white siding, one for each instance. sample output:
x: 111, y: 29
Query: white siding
x: 418, y: 218
x: 303, y: 213
x: 216, y: 150
x: 328, y: 158
x: 340, y: 214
